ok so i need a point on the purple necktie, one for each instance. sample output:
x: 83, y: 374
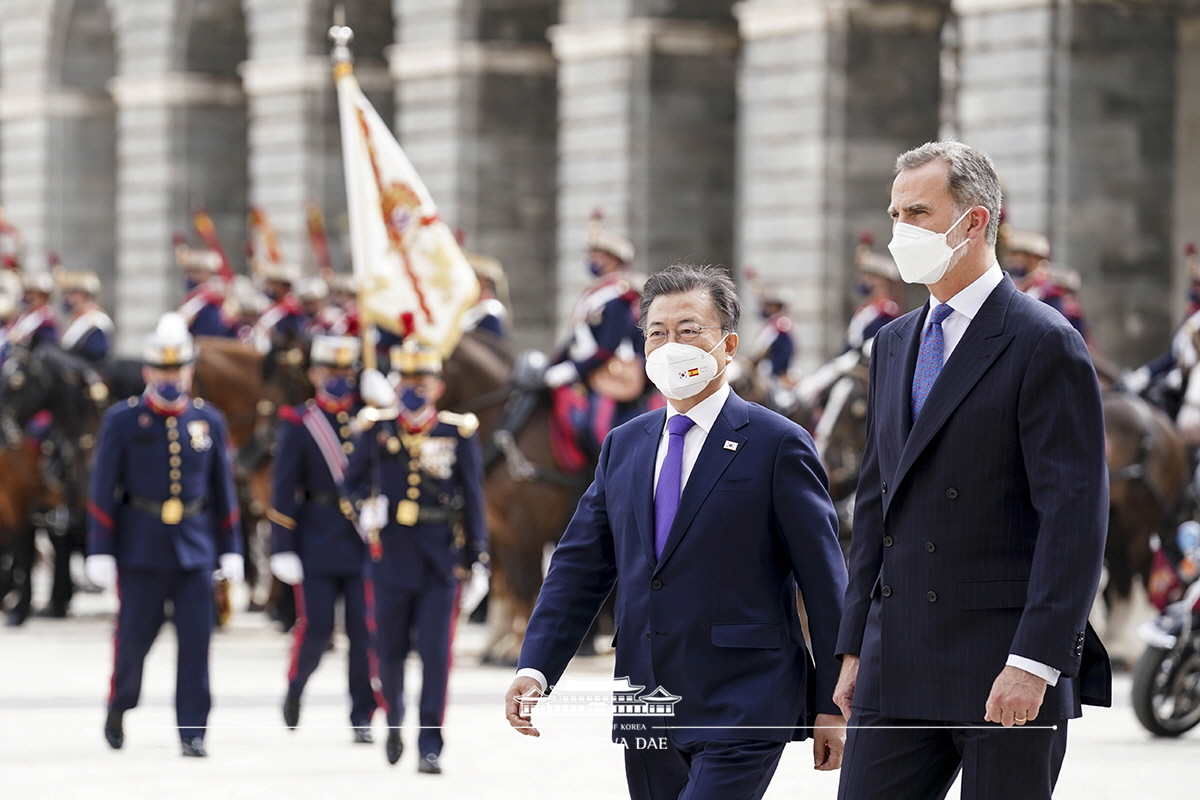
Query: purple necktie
x: 670, y: 481
x: 929, y: 358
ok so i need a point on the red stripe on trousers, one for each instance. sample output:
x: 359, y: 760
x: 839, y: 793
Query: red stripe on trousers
x: 298, y: 631
x: 372, y: 654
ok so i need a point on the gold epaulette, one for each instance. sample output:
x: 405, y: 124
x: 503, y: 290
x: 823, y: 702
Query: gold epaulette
x: 467, y: 424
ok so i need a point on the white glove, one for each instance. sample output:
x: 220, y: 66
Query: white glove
x: 101, y: 570
x: 373, y: 514
x: 1188, y: 422
x: 560, y: 375
x: 1137, y: 381
x: 233, y: 567
x: 287, y: 567
x: 375, y: 389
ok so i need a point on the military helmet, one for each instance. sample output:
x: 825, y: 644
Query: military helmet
x: 606, y: 241
x: 42, y: 282
x: 311, y: 289
x: 88, y: 282
x: 334, y: 351
x: 872, y: 263
x: 282, y: 271
x: 413, y: 358
x: 1031, y: 242
x: 170, y: 346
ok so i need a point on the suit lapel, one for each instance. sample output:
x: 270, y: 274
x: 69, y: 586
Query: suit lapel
x: 641, y: 473
x: 900, y: 349
x: 982, y: 343
x: 710, y: 464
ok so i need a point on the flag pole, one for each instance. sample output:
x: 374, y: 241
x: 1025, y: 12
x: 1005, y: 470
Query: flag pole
x: 343, y: 69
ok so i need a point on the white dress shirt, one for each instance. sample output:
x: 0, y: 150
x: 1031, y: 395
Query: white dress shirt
x: 704, y: 414
x: 966, y: 305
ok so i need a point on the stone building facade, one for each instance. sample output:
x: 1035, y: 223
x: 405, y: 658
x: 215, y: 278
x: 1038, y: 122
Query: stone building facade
x: 759, y: 132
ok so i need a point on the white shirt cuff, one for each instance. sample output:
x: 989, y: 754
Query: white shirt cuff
x: 1046, y: 673
x: 529, y: 672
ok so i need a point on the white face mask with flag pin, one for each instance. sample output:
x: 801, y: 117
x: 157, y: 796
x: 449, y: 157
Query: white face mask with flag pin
x: 681, y: 371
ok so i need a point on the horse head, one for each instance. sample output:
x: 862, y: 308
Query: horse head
x: 285, y: 373
x: 25, y: 389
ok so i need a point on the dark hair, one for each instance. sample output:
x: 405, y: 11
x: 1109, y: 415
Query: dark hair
x: 970, y: 177
x: 682, y: 277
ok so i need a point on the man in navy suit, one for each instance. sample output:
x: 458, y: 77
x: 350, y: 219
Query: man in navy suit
x: 708, y: 514
x: 162, y: 514
x: 315, y: 546
x: 980, y: 520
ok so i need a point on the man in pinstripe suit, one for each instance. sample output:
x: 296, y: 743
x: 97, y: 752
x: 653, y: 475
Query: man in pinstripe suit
x: 981, y: 516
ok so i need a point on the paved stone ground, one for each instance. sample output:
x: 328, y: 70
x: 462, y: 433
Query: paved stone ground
x: 54, y: 678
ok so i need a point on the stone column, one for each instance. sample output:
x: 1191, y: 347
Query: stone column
x: 646, y: 133
x: 475, y: 102
x: 1075, y: 100
x: 58, y: 133
x: 294, y: 138
x: 829, y: 94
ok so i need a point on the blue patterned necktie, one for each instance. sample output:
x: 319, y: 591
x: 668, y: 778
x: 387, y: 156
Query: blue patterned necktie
x: 670, y: 481
x: 929, y: 358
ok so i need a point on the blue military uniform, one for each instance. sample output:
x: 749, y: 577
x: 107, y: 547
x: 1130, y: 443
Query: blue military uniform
x: 308, y: 517
x: 88, y: 333
x: 433, y: 478
x: 162, y: 503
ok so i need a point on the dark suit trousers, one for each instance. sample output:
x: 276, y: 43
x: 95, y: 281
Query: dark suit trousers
x: 143, y: 595
x: 316, y: 601
x: 894, y: 759
x: 734, y: 770
x: 424, y: 617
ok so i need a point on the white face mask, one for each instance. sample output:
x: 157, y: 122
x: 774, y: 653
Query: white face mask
x: 923, y: 256
x: 681, y: 371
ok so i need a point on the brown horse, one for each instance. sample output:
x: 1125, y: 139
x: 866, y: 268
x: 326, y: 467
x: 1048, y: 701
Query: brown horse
x: 20, y: 490
x: 1147, y: 466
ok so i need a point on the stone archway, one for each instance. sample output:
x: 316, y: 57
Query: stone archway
x: 81, y: 172
x: 213, y: 146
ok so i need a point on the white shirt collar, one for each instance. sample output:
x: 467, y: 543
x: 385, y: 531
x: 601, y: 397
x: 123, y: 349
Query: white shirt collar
x: 970, y: 299
x: 705, y: 413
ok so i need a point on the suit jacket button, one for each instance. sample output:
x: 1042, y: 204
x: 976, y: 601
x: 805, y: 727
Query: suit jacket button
x: 952, y: 493
x: 932, y: 597
x: 887, y: 541
x: 885, y: 487
x: 656, y: 584
x: 930, y: 546
x: 886, y: 591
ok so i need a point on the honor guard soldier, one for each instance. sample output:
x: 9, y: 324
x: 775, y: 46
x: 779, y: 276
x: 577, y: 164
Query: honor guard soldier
x: 877, y: 285
x: 201, y: 308
x: 162, y: 516
x: 775, y: 346
x: 37, y: 323
x: 88, y: 331
x: 490, y: 312
x: 315, y: 546
x: 419, y: 480
x: 282, y: 324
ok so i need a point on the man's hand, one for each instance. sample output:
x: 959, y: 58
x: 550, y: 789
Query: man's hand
x: 523, y: 685
x: 1016, y: 697
x: 843, y: 693
x: 829, y: 739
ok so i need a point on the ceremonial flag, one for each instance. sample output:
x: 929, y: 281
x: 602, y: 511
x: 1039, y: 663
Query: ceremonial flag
x: 405, y: 257
x: 320, y: 242
x: 208, y: 232
x: 262, y: 227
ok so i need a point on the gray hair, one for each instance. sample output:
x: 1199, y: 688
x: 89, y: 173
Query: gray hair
x: 682, y: 277
x: 970, y: 177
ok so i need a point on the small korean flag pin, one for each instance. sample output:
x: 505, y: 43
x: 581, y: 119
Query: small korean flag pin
x: 731, y: 445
